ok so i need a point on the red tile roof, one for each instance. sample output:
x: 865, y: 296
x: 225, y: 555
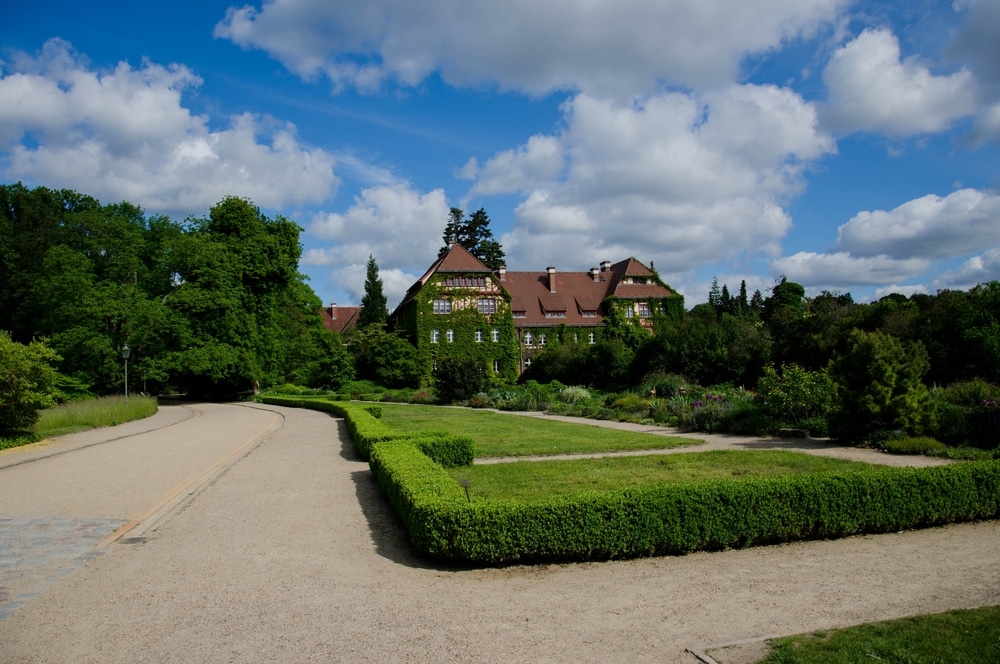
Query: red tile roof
x: 576, y: 293
x: 338, y: 319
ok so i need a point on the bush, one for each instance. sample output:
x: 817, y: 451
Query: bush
x: 27, y: 384
x: 459, y: 378
x: 879, y: 387
x: 920, y: 445
x: 796, y: 395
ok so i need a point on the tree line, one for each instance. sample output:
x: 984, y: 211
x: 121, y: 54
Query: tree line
x: 209, y: 306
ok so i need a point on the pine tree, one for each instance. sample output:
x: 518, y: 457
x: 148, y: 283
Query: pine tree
x: 475, y: 235
x: 373, y: 304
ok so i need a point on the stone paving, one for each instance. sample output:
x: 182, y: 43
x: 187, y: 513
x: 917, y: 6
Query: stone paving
x: 36, y: 552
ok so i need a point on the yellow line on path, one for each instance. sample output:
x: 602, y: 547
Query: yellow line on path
x: 179, y: 497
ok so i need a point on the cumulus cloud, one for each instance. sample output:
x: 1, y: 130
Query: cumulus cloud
x: 976, y: 41
x: 616, y: 47
x: 688, y: 178
x: 930, y: 226
x: 125, y: 134
x: 838, y: 270
x: 541, y: 159
x: 872, y: 89
x: 976, y: 270
x: 400, y: 227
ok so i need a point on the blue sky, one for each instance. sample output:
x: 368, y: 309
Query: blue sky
x: 851, y: 146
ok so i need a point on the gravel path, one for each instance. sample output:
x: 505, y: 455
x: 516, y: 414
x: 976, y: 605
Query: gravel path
x: 293, y: 556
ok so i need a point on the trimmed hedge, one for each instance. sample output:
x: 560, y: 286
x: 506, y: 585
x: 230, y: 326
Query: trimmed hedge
x: 657, y: 519
x: 366, y: 430
x: 666, y: 518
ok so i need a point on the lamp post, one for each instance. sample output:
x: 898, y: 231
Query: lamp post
x: 126, y: 351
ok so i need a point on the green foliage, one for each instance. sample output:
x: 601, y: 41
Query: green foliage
x: 667, y: 518
x: 373, y: 304
x: 475, y: 235
x: 94, y: 413
x: 795, y: 394
x: 916, y: 445
x: 879, y: 388
x: 459, y: 378
x: 386, y: 358
x: 27, y: 384
x: 211, y: 306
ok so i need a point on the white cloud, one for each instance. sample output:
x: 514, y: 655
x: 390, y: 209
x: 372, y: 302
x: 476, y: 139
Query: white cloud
x: 986, y: 127
x: 541, y: 159
x: 617, y: 47
x: 681, y: 178
x: 400, y: 227
x: 872, y: 89
x: 125, y: 134
x: 976, y: 270
x: 838, y: 270
x: 902, y: 290
x: 930, y: 226
x: 351, y: 280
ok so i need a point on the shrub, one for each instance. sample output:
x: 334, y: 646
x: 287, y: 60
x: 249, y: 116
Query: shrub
x: 27, y: 384
x: 459, y: 378
x: 919, y: 445
x: 796, y: 395
x: 879, y: 387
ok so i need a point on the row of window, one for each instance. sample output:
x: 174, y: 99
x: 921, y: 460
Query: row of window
x: 529, y: 338
x: 484, y: 305
x: 465, y: 282
x: 449, y: 336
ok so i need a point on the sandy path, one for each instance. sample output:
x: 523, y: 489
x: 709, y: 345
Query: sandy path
x: 293, y: 556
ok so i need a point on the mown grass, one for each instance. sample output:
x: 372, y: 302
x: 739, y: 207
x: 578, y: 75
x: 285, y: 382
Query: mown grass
x: 535, y: 480
x: 499, y: 435
x: 955, y: 637
x: 93, y: 413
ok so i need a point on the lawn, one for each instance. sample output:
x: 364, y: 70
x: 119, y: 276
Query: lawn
x: 536, y: 480
x: 956, y: 637
x: 499, y: 435
x: 93, y: 413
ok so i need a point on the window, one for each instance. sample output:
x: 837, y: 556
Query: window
x: 527, y: 363
x: 450, y: 336
x: 644, y: 310
x: 629, y: 311
x: 495, y: 335
x: 590, y: 313
x: 555, y: 314
x: 541, y: 340
x: 442, y: 306
x: 520, y: 314
x: 479, y: 336
x: 576, y: 337
x: 496, y: 366
x: 435, y: 336
x: 591, y: 337
x: 486, y: 305
x: 529, y: 339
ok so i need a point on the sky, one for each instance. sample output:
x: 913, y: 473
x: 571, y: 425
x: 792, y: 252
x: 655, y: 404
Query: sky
x: 852, y: 147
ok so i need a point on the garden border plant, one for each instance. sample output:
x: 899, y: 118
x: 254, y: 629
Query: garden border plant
x: 655, y: 519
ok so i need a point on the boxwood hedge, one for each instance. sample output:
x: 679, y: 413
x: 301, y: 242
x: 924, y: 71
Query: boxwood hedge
x: 660, y: 518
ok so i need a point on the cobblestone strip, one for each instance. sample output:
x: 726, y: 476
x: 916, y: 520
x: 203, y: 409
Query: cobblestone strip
x: 36, y: 552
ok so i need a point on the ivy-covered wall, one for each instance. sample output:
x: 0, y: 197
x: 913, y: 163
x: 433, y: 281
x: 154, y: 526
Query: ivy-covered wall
x: 456, y: 331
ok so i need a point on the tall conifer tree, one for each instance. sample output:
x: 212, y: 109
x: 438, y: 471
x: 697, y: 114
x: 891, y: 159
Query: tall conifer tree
x: 373, y: 304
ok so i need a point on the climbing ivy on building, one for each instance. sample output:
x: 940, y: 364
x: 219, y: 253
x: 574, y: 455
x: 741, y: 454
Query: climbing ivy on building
x: 456, y: 330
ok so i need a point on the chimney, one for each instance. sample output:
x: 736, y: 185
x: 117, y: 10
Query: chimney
x: 652, y: 266
x: 605, y: 266
x: 593, y: 274
x: 333, y: 310
x: 552, y: 279
x: 502, y: 271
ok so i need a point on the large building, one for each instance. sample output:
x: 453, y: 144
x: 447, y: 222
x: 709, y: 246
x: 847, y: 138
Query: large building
x: 462, y: 307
